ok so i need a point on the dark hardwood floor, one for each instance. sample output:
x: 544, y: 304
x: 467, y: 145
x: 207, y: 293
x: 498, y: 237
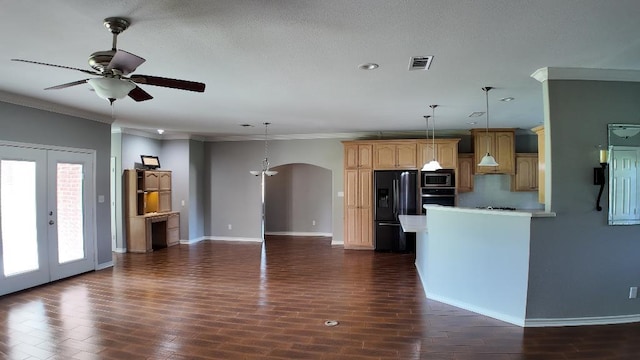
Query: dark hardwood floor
x: 226, y: 300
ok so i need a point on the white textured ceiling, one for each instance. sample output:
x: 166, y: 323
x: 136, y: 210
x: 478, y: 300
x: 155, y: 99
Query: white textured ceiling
x: 294, y: 63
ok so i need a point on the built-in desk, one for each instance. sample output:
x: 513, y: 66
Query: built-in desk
x: 153, y: 231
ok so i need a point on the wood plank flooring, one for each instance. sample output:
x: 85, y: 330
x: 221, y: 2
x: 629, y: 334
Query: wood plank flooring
x: 230, y: 300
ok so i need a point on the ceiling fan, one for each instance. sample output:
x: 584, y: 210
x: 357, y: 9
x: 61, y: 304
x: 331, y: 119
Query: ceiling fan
x: 113, y: 67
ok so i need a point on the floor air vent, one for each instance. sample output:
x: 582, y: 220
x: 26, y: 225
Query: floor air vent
x: 420, y: 62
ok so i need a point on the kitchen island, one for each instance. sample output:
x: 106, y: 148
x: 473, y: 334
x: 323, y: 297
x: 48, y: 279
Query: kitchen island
x: 475, y: 259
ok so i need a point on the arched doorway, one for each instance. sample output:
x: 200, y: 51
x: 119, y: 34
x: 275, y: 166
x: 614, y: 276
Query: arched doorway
x: 298, y: 201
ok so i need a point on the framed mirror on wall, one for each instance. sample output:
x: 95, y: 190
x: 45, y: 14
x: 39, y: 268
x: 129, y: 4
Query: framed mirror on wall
x: 624, y: 153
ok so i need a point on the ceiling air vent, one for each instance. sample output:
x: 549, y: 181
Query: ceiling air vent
x: 420, y: 62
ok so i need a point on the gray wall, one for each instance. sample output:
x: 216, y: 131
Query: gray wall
x: 235, y: 194
x: 580, y: 266
x: 28, y: 125
x: 196, y: 189
x: 174, y: 156
x: 297, y: 196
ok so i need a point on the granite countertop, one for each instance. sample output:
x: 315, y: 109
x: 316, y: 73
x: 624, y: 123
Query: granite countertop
x: 413, y: 223
x: 519, y: 212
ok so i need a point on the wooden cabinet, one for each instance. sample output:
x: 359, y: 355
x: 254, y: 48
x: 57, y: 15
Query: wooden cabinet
x: 526, y: 177
x: 358, y: 225
x: 446, y: 152
x: 501, y: 145
x: 358, y: 156
x: 148, y: 218
x: 465, y: 173
x: 539, y: 130
x: 391, y: 156
x: 173, y: 228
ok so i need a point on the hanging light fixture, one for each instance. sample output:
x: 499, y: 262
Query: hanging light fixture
x: 432, y: 165
x: 265, y: 162
x: 487, y: 160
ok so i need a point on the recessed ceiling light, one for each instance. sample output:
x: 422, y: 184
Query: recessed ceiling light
x: 507, y: 99
x: 160, y: 131
x: 368, y: 66
x: 472, y: 122
x: 476, y: 114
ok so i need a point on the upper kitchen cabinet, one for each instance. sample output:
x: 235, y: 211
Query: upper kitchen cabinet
x: 358, y: 155
x: 539, y: 130
x: 446, y: 152
x: 526, y: 177
x: 501, y: 145
x: 465, y: 173
x: 394, y: 155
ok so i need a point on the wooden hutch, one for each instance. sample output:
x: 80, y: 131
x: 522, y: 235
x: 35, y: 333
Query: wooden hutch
x: 150, y: 223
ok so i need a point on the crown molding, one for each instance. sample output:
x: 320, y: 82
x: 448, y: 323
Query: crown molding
x: 565, y: 73
x: 51, y: 107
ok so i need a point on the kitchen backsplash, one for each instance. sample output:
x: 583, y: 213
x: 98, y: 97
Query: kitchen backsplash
x: 494, y: 190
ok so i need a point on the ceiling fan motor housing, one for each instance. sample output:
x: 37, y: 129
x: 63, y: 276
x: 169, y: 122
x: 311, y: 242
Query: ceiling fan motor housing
x: 99, y: 60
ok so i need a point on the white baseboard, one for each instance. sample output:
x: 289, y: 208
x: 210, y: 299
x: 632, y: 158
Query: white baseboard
x: 103, y: 266
x: 193, y: 241
x: 231, y: 238
x: 596, y: 320
x: 298, y: 233
x: 120, y: 250
x: 479, y: 310
x: 337, y: 243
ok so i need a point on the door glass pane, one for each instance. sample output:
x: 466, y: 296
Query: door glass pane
x: 18, y: 209
x: 70, y: 217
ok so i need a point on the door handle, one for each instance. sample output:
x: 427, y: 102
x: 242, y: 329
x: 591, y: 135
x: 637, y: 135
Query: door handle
x: 51, y: 222
x: 388, y: 224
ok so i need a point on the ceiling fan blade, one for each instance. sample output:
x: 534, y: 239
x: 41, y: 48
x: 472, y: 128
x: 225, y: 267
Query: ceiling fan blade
x: 62, y: 86
x: 124, y: 61
x: 170, y: 83
x: 58, y: 66
x: 138, y: 94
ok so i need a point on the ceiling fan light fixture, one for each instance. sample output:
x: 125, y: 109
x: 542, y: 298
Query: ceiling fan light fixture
x: 111, y: 88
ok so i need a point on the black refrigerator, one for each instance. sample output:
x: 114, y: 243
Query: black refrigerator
x: 396, y: 193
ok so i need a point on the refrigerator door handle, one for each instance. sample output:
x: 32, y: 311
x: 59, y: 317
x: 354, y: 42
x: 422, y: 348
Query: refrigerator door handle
x: 388, y: 224
x: 395, y: 198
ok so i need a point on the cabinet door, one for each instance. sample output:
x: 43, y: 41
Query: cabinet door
x: 351, y: 156
x: 173, y: 229
x: 480, y: 146
x: 164, y: 180
x: 406, y: 156
x: 447, y: 155
x: 541, y: 167
x: 365, y: 178
x: 365, y: 159
x: 505, y: 156
x: 365, y: 219
x: 384, y: 156
x: 151, y: 181
x: 426, y: 152
x: 465, y: 173
x: 164, y: 201
x: 526, y: 177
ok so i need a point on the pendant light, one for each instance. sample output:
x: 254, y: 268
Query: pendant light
x: 265, y: 162
x: 487, y: 160
x: 432, y: 165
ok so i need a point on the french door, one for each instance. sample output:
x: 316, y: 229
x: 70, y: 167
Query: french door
x: 46, y: 216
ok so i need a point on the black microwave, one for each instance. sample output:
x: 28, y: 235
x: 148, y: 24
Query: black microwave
x: 438, y: 178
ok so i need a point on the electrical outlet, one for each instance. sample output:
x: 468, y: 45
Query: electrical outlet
x: 229, y: 226
x: 313, y: 223
x: 633, y: 292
